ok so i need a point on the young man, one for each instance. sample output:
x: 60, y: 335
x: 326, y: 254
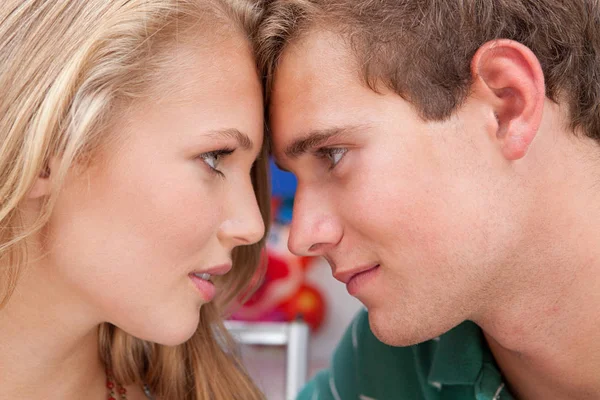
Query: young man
x: 447, y: 155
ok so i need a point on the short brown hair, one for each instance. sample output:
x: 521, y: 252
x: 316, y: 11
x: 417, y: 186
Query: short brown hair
x: 422, y: 49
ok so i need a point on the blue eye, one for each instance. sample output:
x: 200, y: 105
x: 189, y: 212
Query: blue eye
x: 214, y: 158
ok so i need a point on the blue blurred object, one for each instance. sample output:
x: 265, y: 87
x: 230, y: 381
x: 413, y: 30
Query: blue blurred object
x: 284, y: 214
x: 283, y: 184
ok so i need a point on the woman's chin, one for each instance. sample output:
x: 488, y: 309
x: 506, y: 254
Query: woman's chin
x: 168, y: 332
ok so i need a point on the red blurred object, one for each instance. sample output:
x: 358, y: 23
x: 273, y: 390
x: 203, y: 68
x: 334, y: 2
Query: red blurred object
x: 277, y: 269
x: 308, y: 304
x: 275, y: 204
x: 283, y: 294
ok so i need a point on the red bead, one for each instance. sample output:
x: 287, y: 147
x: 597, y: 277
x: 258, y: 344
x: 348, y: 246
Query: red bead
x: 110, y: 385
x: 111, y: 398
x: 122, y: 390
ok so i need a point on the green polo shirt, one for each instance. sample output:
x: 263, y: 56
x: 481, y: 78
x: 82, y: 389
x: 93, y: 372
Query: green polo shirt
x: 456, y: 366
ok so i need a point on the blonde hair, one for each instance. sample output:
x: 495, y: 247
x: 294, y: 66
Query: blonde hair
x: 66, y: 66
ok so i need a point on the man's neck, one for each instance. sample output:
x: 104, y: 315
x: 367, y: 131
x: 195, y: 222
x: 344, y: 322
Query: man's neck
x: 567, y: 375
x: 541, y: 318
x: 545, y: 334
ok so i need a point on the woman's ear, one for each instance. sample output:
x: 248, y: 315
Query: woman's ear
x: 510, y: 78
x: 42, y: 186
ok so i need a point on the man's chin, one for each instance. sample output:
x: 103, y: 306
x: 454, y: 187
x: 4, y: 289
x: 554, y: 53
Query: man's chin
x: 397, y: 331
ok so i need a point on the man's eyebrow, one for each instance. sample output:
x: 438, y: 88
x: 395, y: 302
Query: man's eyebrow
x: 316, y: 138
x: 241, y: 138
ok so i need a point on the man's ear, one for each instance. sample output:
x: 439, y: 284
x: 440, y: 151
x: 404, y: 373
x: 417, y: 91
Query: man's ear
x: 43, y: 183
x: 509, y: 76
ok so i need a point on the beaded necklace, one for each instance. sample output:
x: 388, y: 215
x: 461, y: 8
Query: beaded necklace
x: 111, y: 385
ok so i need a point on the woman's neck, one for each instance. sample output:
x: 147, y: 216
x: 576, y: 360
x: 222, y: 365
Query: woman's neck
x: 48, y: 344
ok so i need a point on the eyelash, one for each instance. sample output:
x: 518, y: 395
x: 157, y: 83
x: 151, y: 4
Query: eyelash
x: 216, y: 154
x: 325, y: 153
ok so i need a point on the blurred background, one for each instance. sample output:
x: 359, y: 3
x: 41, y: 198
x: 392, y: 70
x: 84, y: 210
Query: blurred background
x: 293, y: 288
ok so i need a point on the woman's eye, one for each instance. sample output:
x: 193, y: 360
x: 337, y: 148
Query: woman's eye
x: 214, y: 158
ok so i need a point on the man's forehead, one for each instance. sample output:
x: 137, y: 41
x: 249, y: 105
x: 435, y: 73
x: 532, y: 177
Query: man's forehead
x: 313, y: 95
x: 318, y: 51
x: 307, y: 85
x: 311, y: 68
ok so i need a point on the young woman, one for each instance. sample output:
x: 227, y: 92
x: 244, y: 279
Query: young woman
x: 133, y: 196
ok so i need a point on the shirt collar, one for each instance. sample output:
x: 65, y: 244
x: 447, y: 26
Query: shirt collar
x: 459, y: 356
x: 463, y: 357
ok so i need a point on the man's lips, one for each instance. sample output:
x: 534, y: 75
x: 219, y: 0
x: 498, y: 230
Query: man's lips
x: 346, y: 276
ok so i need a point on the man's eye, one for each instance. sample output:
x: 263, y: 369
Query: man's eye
x: 333, y: 155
